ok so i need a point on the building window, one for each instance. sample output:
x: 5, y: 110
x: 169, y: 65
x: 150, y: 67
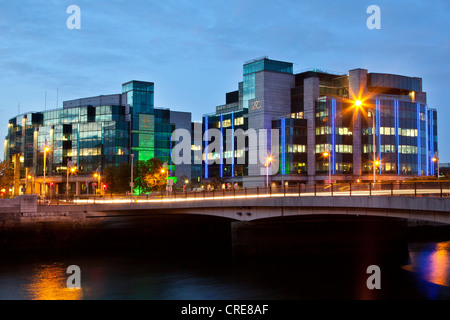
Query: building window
x: 239, y: 121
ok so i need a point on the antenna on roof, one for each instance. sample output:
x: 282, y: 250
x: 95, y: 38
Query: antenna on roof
x: 257, y: 59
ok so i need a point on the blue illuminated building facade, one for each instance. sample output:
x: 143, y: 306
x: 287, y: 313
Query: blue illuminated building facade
x: 326, y: 123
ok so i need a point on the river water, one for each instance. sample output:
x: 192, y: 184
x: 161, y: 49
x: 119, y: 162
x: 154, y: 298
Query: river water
x: 426, y: 275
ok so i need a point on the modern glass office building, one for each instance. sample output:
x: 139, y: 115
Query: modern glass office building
x: 318, y: 125
x: 91, y: 133
x: 278, y: 127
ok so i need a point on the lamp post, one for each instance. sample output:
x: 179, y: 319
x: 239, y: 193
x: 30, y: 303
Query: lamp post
x: 97, y: 176
x: 70, y: 168
x: 30, y: 181
x: 436, y: 160
x: 326, y: 154
x: 166, y: 172
x: 46, y: 149
x: 268, y: 162
x: 359, y: 104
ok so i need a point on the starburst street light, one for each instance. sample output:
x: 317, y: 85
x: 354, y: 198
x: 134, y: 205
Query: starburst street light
x: 358, y: 103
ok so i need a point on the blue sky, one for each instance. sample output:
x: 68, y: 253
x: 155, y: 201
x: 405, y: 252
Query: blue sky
x: 194, y: 50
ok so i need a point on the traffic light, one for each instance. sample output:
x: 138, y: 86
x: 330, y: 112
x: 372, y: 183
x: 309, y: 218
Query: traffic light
x: 52, y: 185
x: 104, y: 187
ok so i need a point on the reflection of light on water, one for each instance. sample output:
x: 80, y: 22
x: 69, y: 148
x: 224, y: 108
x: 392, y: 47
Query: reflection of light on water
x: 433, y: 264
x: 49, y: 283
x: 439, y: 264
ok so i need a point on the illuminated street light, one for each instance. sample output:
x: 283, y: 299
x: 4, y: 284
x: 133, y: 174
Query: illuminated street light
x: 72, y: 169
x: 46, y: 149
x: 268, y: 162
x: 359, y: 104
x: 98, y: 177
x: 326, y: 154
x: 436, y: 160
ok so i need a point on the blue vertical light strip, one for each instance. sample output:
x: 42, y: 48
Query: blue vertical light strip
x: 283, y: 146
x: 397, y: 135
x: 206, y: 146
x: 232, y: 144
x: 430, y: 116
x: 419, y: 155
x: 333, y: 135
x: 427, y: 149
x: 378, y: 128
x: 221, y: 145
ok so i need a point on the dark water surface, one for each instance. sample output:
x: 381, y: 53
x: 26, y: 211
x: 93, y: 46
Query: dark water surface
x: 426, y: 275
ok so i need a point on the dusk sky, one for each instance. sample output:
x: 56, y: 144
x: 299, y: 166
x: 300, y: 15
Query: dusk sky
x: 194, y: 50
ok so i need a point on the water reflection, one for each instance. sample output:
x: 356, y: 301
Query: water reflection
x: 129, y: 277
x: 432, y: 262
x: 48, y: 282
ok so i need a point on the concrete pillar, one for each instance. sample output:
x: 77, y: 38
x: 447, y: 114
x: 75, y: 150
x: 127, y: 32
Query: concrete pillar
x: 358, y: 90
x: 311, y: 94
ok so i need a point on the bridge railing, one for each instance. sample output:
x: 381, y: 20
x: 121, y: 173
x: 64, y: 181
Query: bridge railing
x: 409, y: 189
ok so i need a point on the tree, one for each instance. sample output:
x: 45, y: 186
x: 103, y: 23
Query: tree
x: 117, y: 179
x: 149, y: 176
x: 6, y: 176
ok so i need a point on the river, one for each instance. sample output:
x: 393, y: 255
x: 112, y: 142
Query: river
x: 426, y: 275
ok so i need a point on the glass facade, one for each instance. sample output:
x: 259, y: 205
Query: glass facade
x: 92, y: 135
x: 91, y: 142
x: 231, y: 158
x: 140, y: 100
x: 394, y: 126
x: 293, y: 140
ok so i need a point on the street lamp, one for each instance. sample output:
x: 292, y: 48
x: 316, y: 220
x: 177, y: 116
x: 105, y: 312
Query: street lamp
x: 98, y: 176
x: 326, y: 154
x: 268, y: 162
x: 165, y: 171
x: 72, y: 169
x: 46, y: 149
x: 358, y: 104
x: 376, y: 165
x: 436, y: 160
x: 30, y: 177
